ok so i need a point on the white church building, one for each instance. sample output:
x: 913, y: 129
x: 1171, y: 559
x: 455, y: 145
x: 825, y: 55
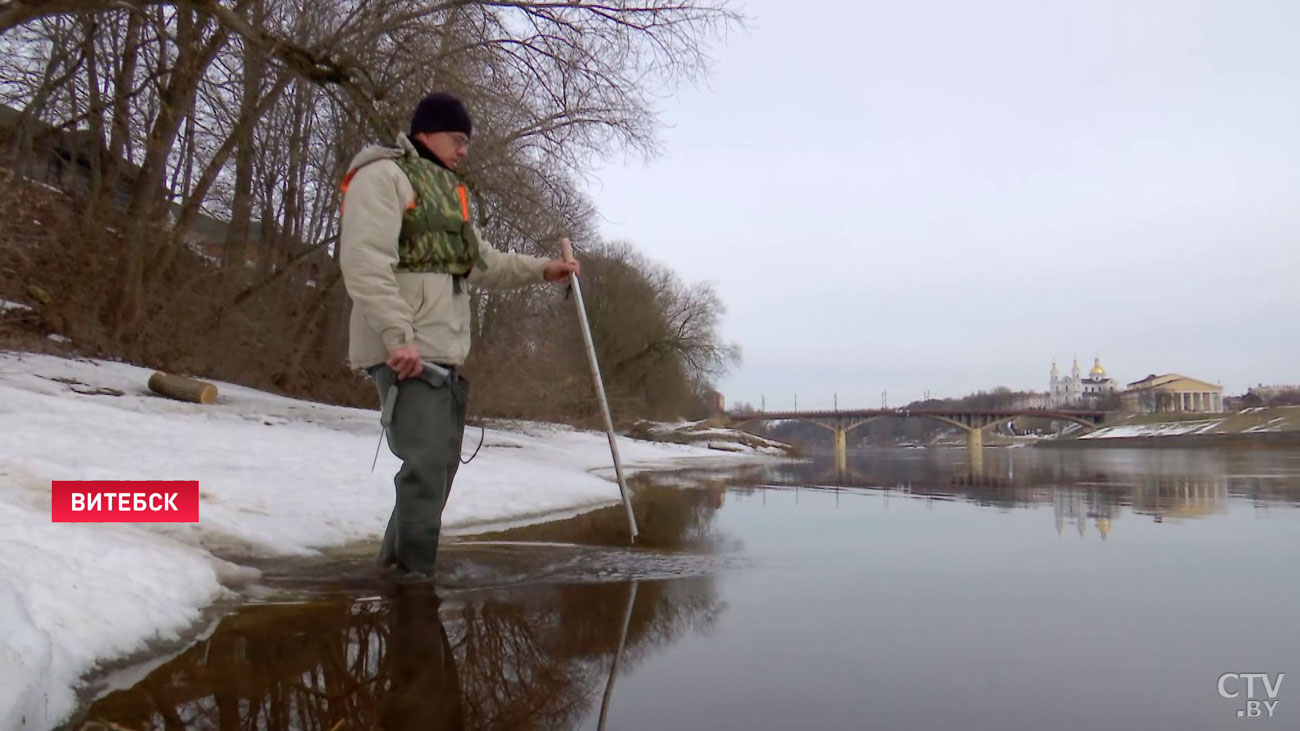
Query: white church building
x: 1075, y: 390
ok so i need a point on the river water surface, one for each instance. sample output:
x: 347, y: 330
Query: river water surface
x: 1034, y: 589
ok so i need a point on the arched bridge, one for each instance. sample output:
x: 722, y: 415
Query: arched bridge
x: 972, y: 421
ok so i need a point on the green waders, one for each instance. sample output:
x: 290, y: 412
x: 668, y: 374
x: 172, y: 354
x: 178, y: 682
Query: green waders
x: 425, y: 420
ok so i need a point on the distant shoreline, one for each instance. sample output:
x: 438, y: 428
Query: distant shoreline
x: 1261, y: 439
x: 1276, y: 426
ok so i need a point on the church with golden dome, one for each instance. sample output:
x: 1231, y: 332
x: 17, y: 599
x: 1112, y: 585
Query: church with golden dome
x: 1075, y: 390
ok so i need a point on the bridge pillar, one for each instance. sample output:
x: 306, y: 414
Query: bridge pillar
x: 975, y: 451
x: 841, y: 449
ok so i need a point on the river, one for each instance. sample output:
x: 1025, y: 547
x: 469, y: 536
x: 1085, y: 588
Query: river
x: 914, y: 589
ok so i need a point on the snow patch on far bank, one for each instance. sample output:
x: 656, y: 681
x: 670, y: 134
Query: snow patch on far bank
x: 1167, y: 429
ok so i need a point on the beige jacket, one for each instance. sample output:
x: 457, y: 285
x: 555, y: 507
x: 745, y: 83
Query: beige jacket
x: 391, y: 309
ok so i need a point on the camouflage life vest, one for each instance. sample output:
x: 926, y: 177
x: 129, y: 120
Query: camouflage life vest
x: 437, y: 235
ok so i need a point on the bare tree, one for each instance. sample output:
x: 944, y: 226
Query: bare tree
x: 228, y: 124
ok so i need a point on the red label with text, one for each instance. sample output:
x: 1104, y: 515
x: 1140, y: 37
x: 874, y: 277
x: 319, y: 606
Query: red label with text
x: 125, y: 501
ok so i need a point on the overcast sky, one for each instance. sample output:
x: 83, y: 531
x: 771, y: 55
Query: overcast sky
x: 945, y: 196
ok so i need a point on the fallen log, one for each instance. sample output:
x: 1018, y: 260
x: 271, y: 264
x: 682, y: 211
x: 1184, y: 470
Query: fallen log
x: 39, y: 295
x: 182, y: 388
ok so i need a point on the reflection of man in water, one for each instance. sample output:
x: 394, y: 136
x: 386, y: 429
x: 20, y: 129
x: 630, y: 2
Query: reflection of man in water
x: 423, y: 686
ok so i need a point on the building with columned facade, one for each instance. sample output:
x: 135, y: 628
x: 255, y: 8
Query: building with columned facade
x: 1172, y: 393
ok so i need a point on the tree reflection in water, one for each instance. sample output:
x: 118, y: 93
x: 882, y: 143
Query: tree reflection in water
x: 536, y: 656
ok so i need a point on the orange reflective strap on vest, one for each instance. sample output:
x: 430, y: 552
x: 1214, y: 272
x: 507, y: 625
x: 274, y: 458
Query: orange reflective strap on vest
x: 464, y: 202
x: 347, y: 179
x: 343, y: 188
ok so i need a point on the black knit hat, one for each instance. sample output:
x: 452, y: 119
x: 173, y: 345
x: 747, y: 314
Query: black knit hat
x: 440, y: 112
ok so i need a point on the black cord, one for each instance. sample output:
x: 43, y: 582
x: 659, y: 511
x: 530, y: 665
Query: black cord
x: 481, y: 433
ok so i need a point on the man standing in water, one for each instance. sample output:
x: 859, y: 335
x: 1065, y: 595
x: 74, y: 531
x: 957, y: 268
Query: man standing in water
x: 407, y: 248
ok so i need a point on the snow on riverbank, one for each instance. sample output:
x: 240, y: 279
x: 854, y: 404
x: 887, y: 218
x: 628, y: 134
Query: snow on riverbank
x: 277, y: 476
x: 1167, y: 429
x: 714, y: 437
x: 1261, y: 421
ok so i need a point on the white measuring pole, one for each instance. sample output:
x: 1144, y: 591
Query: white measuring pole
x: 567, y: 249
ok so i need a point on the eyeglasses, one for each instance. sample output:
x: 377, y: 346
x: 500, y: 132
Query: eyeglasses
x: 461, y: 140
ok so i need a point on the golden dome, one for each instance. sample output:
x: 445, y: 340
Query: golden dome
x: 1097, y: 370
